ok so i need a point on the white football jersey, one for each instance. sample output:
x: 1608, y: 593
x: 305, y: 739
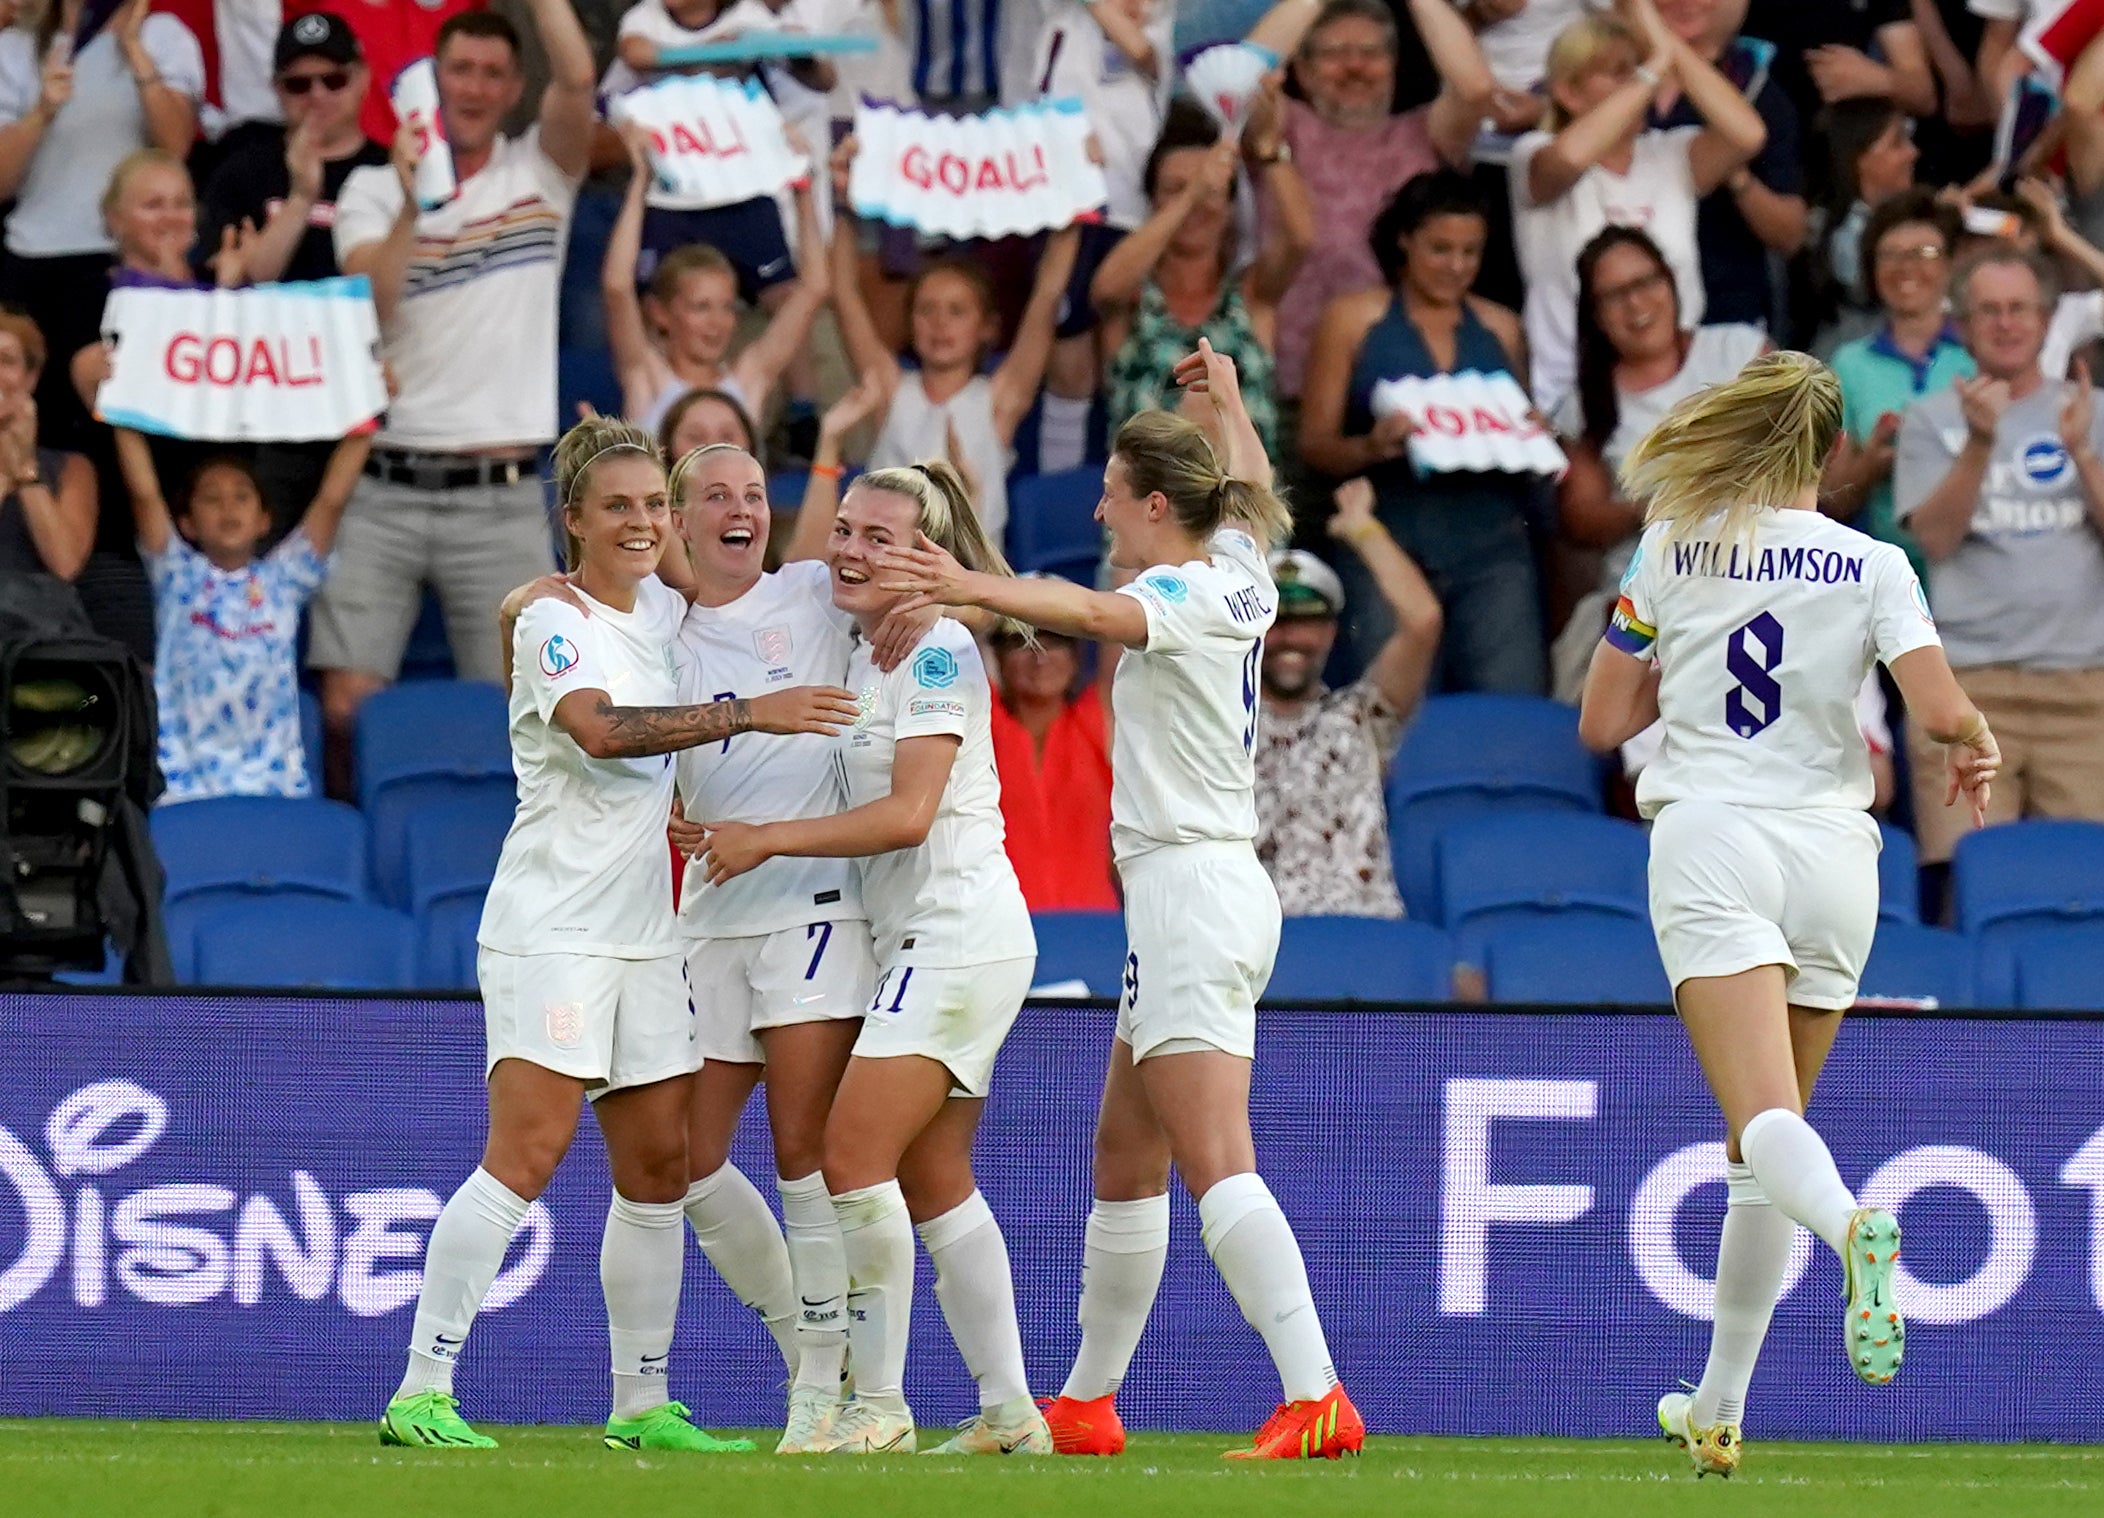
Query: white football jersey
x: 1186, y: 704
x: 954, y: 900
x: 1762, y: 646
x: 585, y: 869
x: 784, y: 631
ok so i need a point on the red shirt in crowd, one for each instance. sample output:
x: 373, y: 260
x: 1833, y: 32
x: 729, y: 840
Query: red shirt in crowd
x: 1057, y: 809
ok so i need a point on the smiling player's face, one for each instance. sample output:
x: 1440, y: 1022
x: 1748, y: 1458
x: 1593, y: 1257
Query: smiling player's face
x: 621, y: 518
x: 870, y: 521
x: 724, y: 515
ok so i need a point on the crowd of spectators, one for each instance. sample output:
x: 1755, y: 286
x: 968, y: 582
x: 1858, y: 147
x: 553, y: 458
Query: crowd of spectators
x: 1614, y: 204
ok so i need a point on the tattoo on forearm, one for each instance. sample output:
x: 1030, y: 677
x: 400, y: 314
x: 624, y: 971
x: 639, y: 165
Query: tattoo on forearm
x: 637, y: 731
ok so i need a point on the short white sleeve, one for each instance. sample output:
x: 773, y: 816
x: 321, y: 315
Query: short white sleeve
x: 366, y: 208
x: 19, y: 86
x: 1899, y: 610
x: 937, y: 689
x: 1633, y: 628
x: 175, y: 54
x: 1998, y: 10
x: 648, y: 20
x: 1178, y: 616
x: 1523, y: 151
x: 555, y: 651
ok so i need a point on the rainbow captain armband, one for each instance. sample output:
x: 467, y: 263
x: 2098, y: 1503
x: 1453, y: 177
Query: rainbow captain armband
x: 1629, y: 633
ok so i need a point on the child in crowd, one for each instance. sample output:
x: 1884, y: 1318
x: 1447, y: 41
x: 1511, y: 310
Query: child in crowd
x: 692, y: 303
x: 947, y: 407
x: 225, y: 676
x: 1115, y: 56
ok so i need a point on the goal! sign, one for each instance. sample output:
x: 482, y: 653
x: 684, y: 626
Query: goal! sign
x: 996, y: 175
x: 1471, y: 423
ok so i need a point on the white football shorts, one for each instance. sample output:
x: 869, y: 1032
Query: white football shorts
x: 1201, y: 935
x: 1737, y: 887
x: 612, y: 1023
x: 816, y: 973
x: 956, y: 1014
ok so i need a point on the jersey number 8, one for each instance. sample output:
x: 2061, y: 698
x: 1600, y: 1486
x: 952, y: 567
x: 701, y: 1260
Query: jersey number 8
x: 1751, y: 654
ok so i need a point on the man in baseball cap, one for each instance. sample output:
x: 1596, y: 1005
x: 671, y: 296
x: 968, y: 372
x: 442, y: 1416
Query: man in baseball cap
x: 1322, y: 755
x: 318, y: 34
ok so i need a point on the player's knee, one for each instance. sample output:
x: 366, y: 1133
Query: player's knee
x: 658, y: 1173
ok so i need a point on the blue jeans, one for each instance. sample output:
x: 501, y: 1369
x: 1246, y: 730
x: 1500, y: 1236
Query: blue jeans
x: 1493, y: 630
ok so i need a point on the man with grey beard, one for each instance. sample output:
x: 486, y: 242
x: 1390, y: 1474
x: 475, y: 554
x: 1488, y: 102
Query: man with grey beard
x: 1322, y: 755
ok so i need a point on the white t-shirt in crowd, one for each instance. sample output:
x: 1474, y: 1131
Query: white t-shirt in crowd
x: 1125, y: 108
x: 1517, y: 48
x: 1715, y: 354
x: 1186, y: 704
x: 473, y: 339
x: 954, y: 900
x: 1762, y: 645
x: 247, y: 35
x: 654, y: 24
x: 58, y: 209
x: 585, y: 869
x: 1657, y: 195
x: 916, y: 429
x: 784, y: 631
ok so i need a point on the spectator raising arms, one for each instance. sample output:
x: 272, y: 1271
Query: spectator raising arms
x: 2001, y: 478
x: 467, y: 297
x: 1353, y: 153
x: 1914, y: 352
x: 225, y: 671
x: 1322, y: 755
x: 1179, y: 277
x: 693, y: 304
x: 69, y: 119
x: 47, y: 516
x: 1468, y: 529
x: 947, y: 407
x: 1598, y: 165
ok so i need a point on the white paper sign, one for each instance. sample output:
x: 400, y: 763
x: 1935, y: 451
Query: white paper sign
x: 1470, y: 422
x: 1225, y: 79
x: 713, y: 142
x: 277, y: 363
x: 997, y: 175
x: 414, y: 96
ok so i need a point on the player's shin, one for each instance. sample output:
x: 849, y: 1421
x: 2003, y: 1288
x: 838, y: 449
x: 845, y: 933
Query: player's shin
x: 1127, y: 1244
x: 640, y: 1255
x: 818, y: 1266
x: 738, y: 1234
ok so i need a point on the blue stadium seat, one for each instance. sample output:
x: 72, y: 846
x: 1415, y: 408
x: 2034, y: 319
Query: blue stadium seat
x: 428, y: 656
x: 421, y: 742
x: 1576, y: 957
x: 1899, y: 877
x: 305, y: 941
x: 1469, y: 754
x: 586, y: 374
x: 1910, y: 961
x: 1084, y: 946
x: 2023, y: 872
x: 1361, y: 959
x: 453, y: 843
x: 785, y: 490
x: 446, y: 954
x: 1052, y: 517
x: 1513, y: 866
x: 2060, y: 967
x: 251, y: 844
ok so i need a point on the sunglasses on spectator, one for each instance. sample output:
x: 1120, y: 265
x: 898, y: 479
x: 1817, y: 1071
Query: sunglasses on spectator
x: 1636, y: 288
x: 299, y: 84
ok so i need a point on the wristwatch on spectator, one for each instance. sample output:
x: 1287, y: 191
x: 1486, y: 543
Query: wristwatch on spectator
x: 1283, y: 153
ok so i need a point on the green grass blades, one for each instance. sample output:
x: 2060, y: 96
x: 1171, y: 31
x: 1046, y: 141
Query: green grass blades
x: 282, y: 1470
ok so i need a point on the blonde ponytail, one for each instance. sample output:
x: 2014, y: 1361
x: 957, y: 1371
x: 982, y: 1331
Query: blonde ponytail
x: 582, y: 447
x: 946, y: 515
x: 1757, y: 441
x: 1171, y: 455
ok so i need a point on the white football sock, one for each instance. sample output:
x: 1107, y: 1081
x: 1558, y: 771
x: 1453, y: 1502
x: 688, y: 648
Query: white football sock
x: 877, y: 1238
x: 818, y: 1264
x: 738, y: 1233
x: 640, y: 1255
x: 1062, y: 433
x: 1752, y: 1255
x: 1796, y: 1172
x: 976, y: 1291
x: 1121, y: 1270
x: 465, y: 1253
x: 1253, y: 1248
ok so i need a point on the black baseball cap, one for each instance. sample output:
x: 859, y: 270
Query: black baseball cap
x: 318, y: 34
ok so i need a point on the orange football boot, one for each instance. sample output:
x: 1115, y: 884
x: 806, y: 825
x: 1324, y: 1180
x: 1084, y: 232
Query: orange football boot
x: 1084, y: 1428
x: 1324, y: 1429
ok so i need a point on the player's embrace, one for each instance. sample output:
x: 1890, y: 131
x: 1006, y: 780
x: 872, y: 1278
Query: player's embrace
x: 583, y: 985
x: 1747, y: 622
x: 1201, y: 918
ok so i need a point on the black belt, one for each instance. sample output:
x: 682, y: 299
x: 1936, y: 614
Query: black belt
x: 444, y: 471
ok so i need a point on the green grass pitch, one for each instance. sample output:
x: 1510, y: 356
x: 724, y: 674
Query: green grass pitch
x: 284, y: 1470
